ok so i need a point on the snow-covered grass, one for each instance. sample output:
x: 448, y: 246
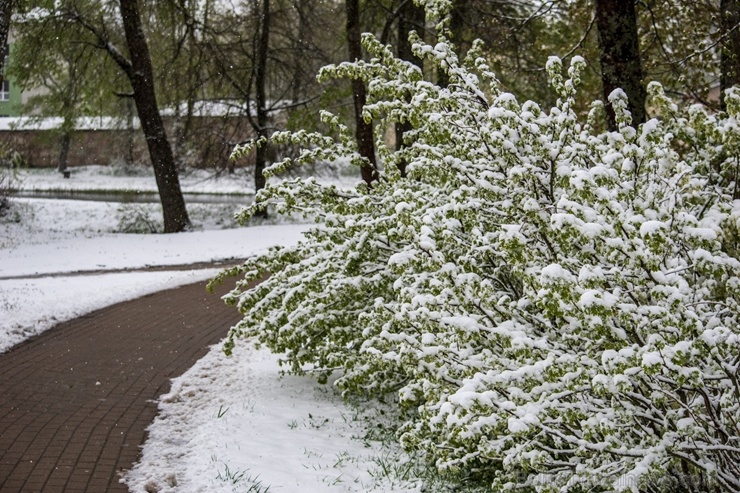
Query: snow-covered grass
x: 228, y: 424
x: 233, y: 424
x: 138, y: 178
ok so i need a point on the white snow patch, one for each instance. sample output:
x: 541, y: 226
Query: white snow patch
x: 289, y: 434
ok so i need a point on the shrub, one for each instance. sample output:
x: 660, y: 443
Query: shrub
x: 136, y: 219
x: 557, y: 307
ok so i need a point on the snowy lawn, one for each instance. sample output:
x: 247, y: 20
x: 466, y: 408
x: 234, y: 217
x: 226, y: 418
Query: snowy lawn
x: 228, y: 424
x: 122, y: 178
x: 58, y: 237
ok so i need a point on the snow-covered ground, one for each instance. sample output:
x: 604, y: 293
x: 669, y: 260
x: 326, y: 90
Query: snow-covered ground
x: 228, y: 424
x: 58, y: 237
x: 138, y: 178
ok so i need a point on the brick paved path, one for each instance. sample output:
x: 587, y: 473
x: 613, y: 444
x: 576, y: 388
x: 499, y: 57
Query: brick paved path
x: 75, y: 401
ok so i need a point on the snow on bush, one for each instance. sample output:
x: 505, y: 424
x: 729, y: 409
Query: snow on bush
x: 557, y: 307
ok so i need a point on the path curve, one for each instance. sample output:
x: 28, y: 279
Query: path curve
x: 75, y: 401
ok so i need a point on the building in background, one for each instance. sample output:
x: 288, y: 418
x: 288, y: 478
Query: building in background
x: 10, y: 94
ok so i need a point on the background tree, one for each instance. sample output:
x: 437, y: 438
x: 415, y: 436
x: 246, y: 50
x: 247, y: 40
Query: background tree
x: 140, y: 74
x: 76, y: 80
x: 99, y: 23
x: 621, y: 65
x: 263, y: 72
x: 6, y: 11
x: 179, y: 68
x: 70, y: 97
x: 730, y: 46
x: 363, y: 129
x: 260, y: 80
x: 410, y: 18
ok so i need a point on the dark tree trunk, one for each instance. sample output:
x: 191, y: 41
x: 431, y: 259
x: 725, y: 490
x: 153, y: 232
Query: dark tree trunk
x: 261, y: 96
x: 6, y: 10
x: 130, y: 133
x: 142, y: 81
x: 299, y: 72
x: 363, y: 130
x: 68, y: 111
x: 64, y: 150
x: 457, y: 31
x: 730, y: 56
x: 621, y: 67
x: 458, y: 15
x: 411, y: 18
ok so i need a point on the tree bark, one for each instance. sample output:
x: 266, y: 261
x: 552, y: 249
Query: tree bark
x: 6, y: 11
x: 363, y: 130
x: 261, y: 97
x: 621, y: 67
x: 411, y: 17
x: 299, y: 72
x: 128, y: 158
x: 142, y: 81
x: 730, y: 55
x: 458, y: 13
x: 69, y: 99
x: 64, y: 150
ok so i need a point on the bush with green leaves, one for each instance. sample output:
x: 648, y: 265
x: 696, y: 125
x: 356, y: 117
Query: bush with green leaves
x: 557, y: 308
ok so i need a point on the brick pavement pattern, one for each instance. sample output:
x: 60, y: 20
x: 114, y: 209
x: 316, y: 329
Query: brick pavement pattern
x: 75, y: 401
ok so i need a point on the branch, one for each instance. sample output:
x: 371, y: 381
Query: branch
x: 103, y: 42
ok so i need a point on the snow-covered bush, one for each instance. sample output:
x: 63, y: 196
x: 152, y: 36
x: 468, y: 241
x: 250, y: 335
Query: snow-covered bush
x: 136, y: 219
x: 557, y: 308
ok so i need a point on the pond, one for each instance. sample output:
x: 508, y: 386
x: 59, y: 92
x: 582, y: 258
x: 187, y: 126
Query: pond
x: 132, y: 196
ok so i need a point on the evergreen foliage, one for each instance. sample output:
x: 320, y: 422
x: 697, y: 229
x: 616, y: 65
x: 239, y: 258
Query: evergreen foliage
x: 557, y: 308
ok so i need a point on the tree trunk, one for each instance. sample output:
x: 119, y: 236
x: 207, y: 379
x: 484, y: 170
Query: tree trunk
x: 299, y: 72
x: 363, y: 130
x: 261, y: 87
x: 730, y: 55
x: 621, y: 67
x: 458, y: 12
x: 142, y: 81
x: 6, y: 10
x: 64, y: 150
x: 68, y: 112
x: 458, y: 16
x: 411, y: 18
x: 128, y: 158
